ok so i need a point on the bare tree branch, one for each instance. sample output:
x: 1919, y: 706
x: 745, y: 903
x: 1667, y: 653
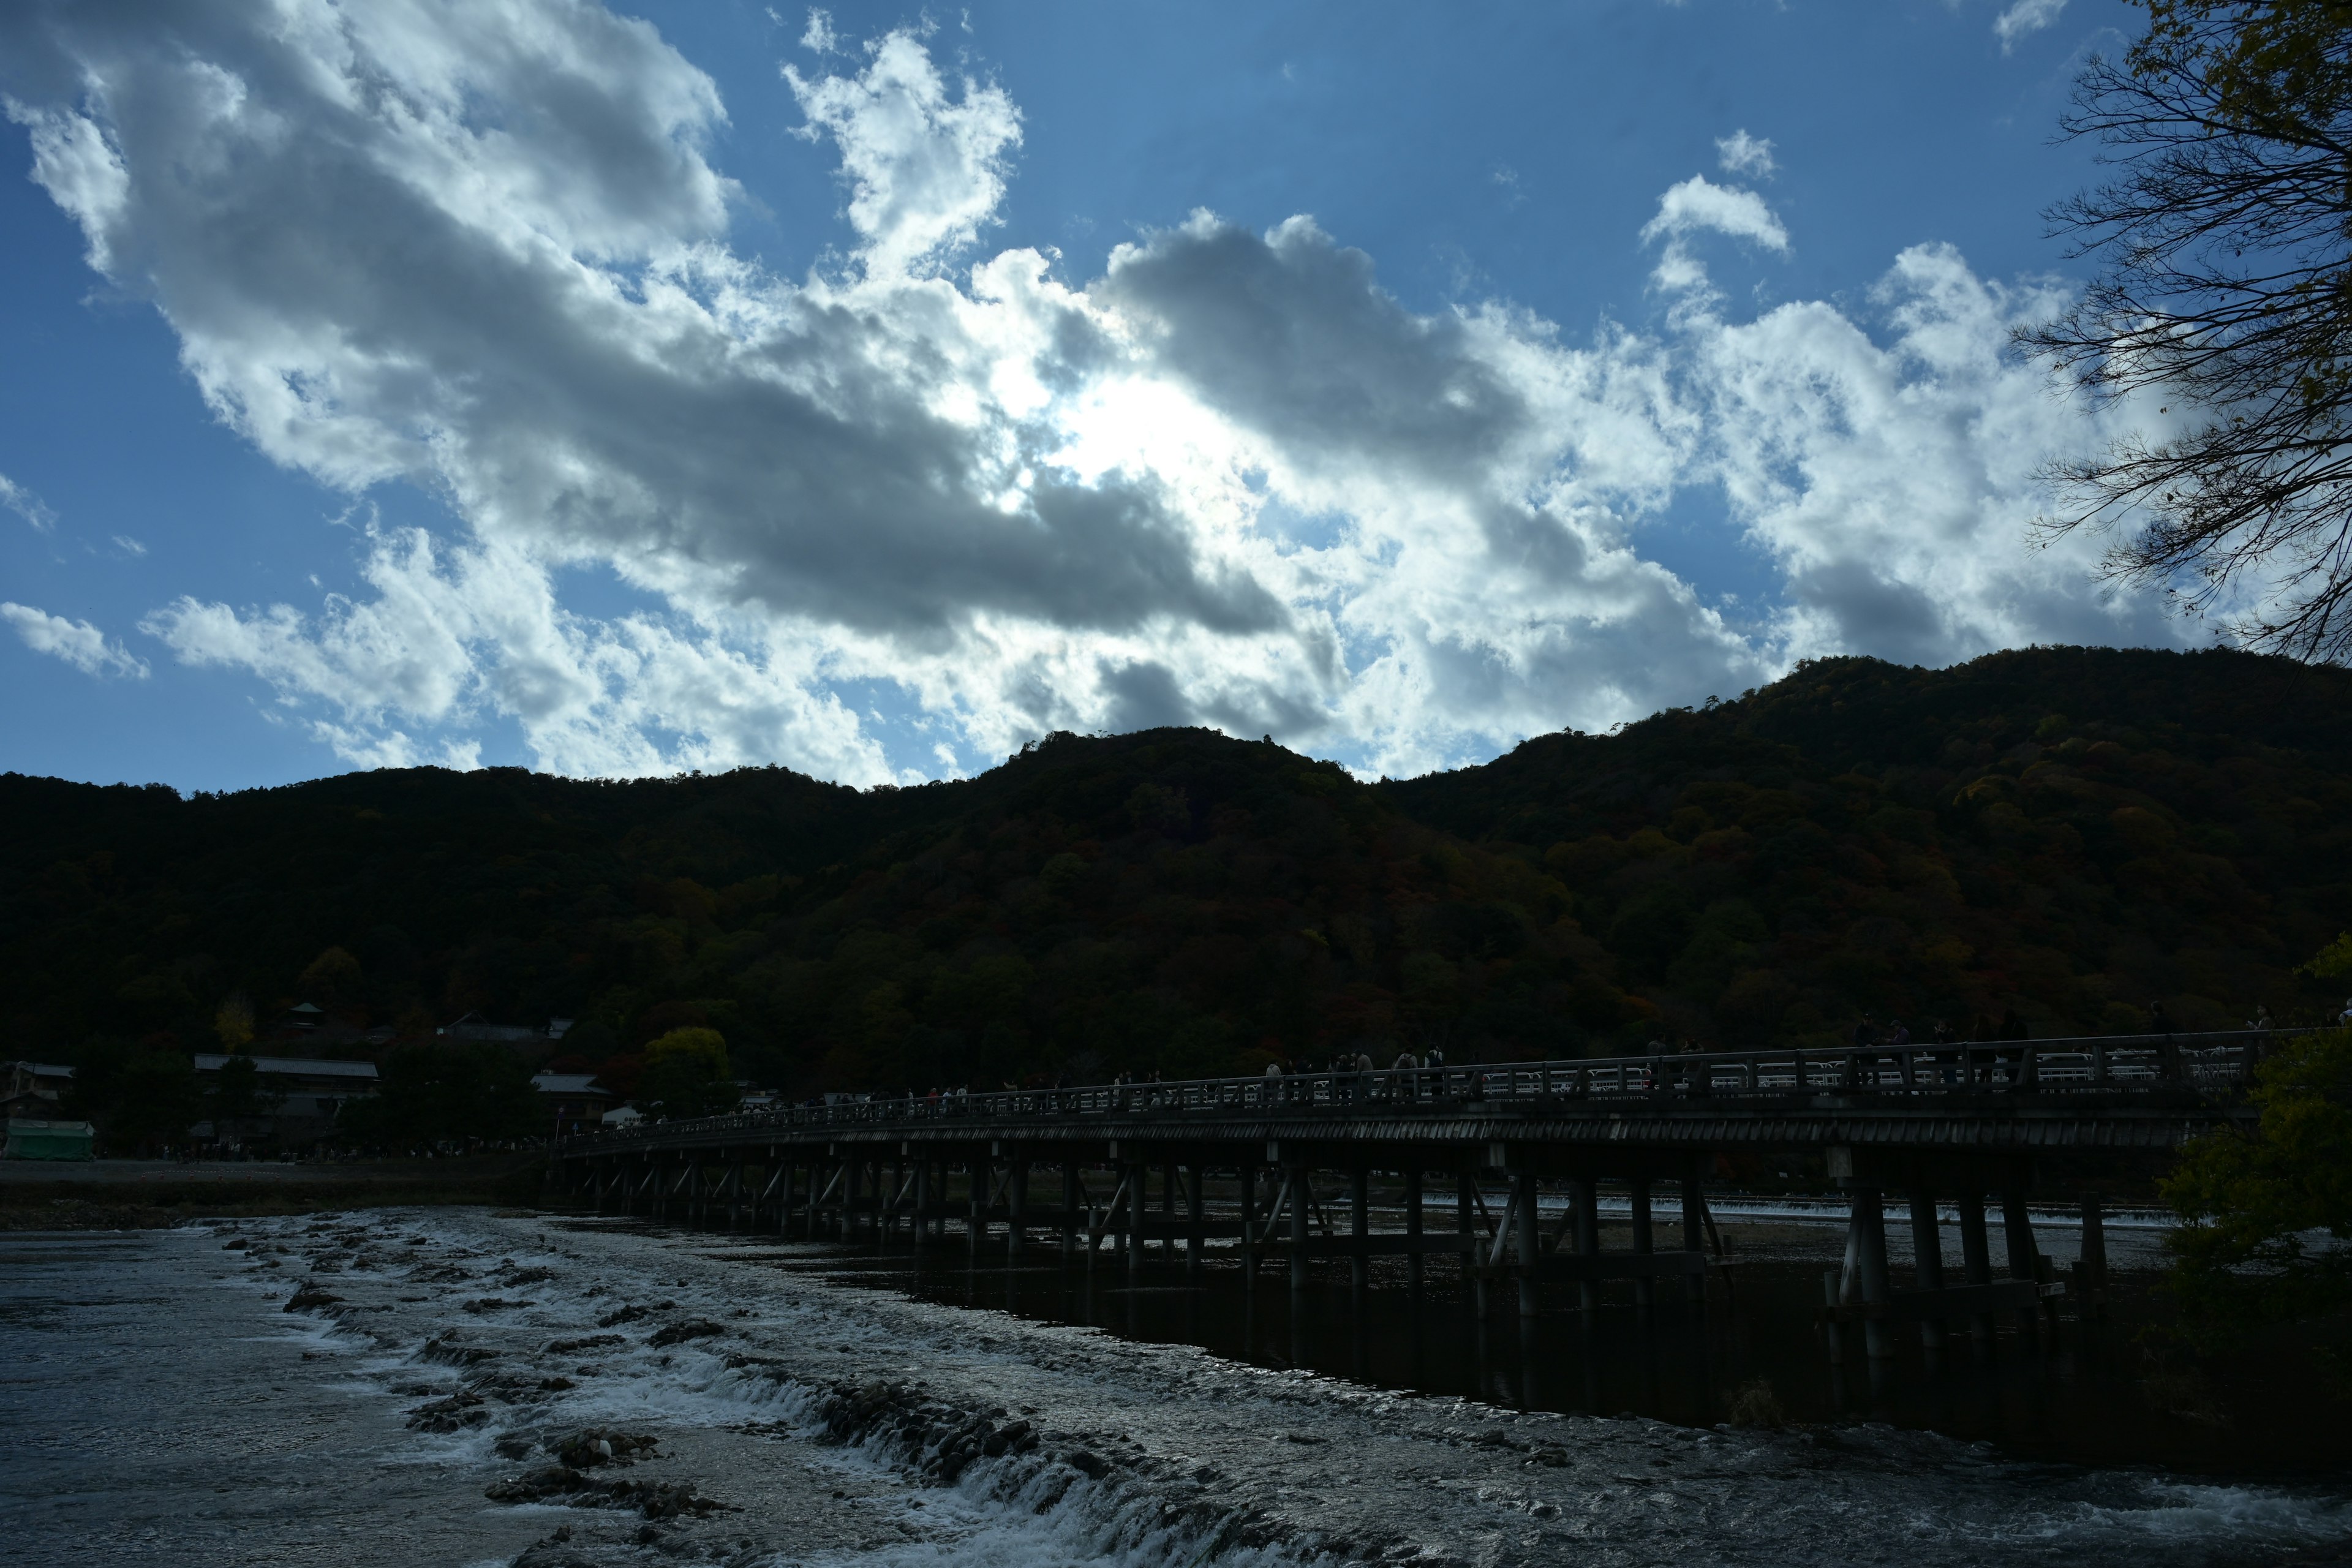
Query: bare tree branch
x: 2225, y: 290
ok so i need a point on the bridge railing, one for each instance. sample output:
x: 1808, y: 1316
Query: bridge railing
x: 2107, y: 1065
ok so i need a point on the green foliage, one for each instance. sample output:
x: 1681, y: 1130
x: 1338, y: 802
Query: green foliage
x: 2334, y: 961
x: 2281, y: 70
x: 705, y: 1051
x: 2252, y: 1202
x: 445, y: 1095
x: 685, y: 1074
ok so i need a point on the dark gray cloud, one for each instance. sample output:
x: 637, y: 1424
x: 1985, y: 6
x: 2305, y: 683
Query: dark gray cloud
x: 1292, y: 334
x: 289, y: 224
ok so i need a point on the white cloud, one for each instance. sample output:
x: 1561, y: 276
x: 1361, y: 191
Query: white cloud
x: 1740, y: 153
x: 451, y: 639
x: 818, y: 37
x: 2025, y: 16
x: 27, y: 505
x: 1892, y: 480
x: 78, y: 643
x: 129, y: 546
x: 1699, y: 206
x: 1230, y: 481
x: 926, y: 168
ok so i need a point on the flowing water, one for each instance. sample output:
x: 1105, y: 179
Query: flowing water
x: 439, y: 1390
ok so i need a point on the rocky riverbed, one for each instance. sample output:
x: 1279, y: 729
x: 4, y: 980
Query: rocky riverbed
x: 431, y: 1386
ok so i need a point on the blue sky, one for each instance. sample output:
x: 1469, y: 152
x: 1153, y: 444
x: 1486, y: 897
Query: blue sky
x: 1402, y: 381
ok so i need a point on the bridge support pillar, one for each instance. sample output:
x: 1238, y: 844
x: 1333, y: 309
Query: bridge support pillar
x: 1695, y: 1227
x: 1301, y: 1195
x: 1645, y: 1241
x: 983, y: 1170
x: 1070, y: 1190
x: 1976, y: 1259
x: 1017, y: 1203
x: 1523, y: 1192
x: 1870, y: 1237
x: 2092, y: 1274
x: 1193, y: 1208
x: 2017, y: 1230
x: 1139, y: 1200
x: 784, y: 1196
x: 1465, y: 1216
x: 1360, y: 1230
x: 1927, y: 1259
x: 1249, y: 1176
x: 1168, y: 1211
x: 1586, y: 1199
x: 1412, y: 1222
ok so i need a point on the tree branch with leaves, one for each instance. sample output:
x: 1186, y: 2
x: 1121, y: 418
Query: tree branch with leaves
x: 2225, y: 295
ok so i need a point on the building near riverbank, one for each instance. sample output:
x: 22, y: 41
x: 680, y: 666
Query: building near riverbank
x: 572, y: 1100
x: 303, y: 1095
x: 34, y: 1089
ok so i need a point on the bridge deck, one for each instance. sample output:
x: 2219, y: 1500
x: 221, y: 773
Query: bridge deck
x: 2145, y: 1093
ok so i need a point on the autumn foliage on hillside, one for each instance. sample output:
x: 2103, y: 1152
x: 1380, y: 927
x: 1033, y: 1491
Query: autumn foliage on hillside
x: 2068, y: 834
x: 1178, y: 902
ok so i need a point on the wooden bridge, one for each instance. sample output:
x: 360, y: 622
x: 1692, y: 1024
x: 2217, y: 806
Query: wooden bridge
x: 1246, y: 1163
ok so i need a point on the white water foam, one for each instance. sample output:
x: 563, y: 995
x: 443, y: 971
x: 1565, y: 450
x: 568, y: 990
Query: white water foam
x: 1204, y: 1459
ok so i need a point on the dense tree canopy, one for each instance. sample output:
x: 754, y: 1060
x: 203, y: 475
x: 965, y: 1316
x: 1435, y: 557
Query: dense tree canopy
x: 2067, y: 833
x: 2269, y: 1213
x: 435, y: 1095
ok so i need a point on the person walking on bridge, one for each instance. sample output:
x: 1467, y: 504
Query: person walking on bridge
x: 1405, y: 1068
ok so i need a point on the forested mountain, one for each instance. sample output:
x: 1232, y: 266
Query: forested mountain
x: 2068, y: 833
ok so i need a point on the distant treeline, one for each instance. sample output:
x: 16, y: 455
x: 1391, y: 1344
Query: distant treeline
x: 2067, y: 833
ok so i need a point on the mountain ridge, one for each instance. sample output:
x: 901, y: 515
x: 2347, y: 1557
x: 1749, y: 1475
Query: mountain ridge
x: 2070, y: 833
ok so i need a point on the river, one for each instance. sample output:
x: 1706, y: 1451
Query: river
x: 438, y: 1395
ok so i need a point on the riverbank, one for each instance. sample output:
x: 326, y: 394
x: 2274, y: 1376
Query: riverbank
x: 151, y: 1194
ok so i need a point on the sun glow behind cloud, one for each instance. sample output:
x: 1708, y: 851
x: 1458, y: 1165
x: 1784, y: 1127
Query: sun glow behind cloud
x: 1229, y: 481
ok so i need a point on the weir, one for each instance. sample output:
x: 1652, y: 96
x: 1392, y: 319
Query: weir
x: 1926, y: 1123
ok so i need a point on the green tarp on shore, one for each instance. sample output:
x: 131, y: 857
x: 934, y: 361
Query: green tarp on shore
x: 48, y: 1140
